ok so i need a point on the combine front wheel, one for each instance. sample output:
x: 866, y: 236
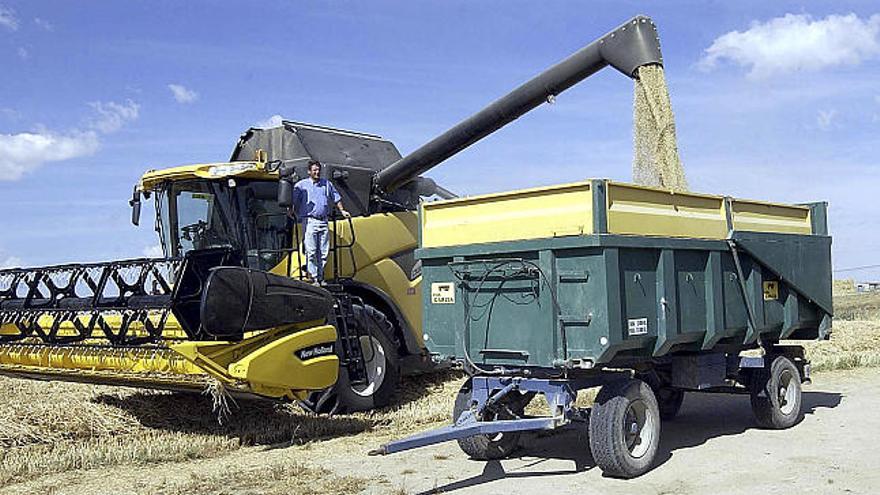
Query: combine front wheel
x: 382, y: 364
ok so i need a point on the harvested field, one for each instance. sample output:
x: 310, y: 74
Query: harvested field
x: 55, y: 434
x: 855, y: 306
x: 48, y: 428
x: 855, y: 338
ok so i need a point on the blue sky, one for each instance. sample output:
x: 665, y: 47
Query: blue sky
x: 774, y: 100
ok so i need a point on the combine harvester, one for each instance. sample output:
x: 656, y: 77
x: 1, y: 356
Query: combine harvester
x: 227, y: 305
x: 542, y: 291
x: 645, y: 292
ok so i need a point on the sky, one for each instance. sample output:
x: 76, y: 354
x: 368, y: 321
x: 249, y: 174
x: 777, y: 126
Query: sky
x: 774, y: 100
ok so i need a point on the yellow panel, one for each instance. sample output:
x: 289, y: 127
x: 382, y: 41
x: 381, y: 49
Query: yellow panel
x: 525, y: 214
x: 758, y: 216
x: 277, y: 365
x: 638, y: 210
x: 388, y: 276
x: 377, y: 238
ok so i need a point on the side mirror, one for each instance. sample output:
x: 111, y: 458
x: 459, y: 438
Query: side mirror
x: 135, y: 203
x: 285, y: 193
x: 287, y: 172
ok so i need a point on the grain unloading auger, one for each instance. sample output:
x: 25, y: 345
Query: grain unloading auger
x: 163, y: 323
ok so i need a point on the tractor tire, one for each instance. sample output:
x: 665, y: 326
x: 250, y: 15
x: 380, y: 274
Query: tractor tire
x: 383, y: 370
x: 776, y: 395
x: 487, y: 447
x: 625, y: 428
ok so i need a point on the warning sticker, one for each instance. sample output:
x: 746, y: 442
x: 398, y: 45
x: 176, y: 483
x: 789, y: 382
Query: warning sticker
x: 637, y: 326
x: 771, y: 290
x: 443, y: 293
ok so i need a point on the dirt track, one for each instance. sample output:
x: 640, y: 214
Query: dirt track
x: 711, y: 448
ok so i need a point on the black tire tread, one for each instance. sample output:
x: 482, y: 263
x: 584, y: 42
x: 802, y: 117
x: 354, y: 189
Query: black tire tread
x: 481, y: 447
x: 763, y: 396
x: 607, y: 444
x: 335, y: 400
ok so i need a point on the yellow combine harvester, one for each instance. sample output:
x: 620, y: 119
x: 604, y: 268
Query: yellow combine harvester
x: 227, y: 302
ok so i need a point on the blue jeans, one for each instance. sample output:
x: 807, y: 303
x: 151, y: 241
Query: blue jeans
x: 317, y: 244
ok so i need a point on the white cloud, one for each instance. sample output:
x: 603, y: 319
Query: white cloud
x: 112, y: 116
x: 826, y: 119
x: 183, y: 94
x: 24, y: 152
x: 43, y: 23
x: 23, y: 53
x: 273, y: 121
x: 797, y: 43
x: 8, y: 18
x: 154, y: 251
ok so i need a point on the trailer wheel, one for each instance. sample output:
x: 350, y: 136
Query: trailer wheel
x: 776, y: 395
x: 383, y: 371
x: 487, y: 447
x: 625, y: 428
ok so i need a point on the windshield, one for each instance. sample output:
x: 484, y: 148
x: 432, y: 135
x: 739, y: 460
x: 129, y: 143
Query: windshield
x: 194, y: 215
x: 202, y: 214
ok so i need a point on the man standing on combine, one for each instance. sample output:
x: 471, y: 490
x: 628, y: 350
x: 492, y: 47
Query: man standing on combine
x: 313, y: 198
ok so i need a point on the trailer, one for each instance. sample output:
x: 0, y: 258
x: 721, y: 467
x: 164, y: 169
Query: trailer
x: 643, y: 292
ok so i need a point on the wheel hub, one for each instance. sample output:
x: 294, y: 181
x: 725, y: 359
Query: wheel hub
x: 639, y: 429
x: 375, y: 364
x: 787, y: 393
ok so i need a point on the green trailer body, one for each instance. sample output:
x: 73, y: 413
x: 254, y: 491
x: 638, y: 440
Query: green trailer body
x: 604, y: 299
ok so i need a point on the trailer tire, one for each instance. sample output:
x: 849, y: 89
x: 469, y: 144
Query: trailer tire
x: 625, y: 428
x: 343, y: 397
x: 484, y: 447
x: 776, y: 395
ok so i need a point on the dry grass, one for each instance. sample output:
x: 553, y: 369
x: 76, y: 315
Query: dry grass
x: 853, y: 344
x: 855, y: 338
x: 55, y: 427
x: 50, y: 428
x: 22, y: 463
x: 843, y: 286
x: 857, y: 306
x: 267, y: 480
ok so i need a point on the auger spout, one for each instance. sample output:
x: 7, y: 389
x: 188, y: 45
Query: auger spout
x: 631, y: 45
